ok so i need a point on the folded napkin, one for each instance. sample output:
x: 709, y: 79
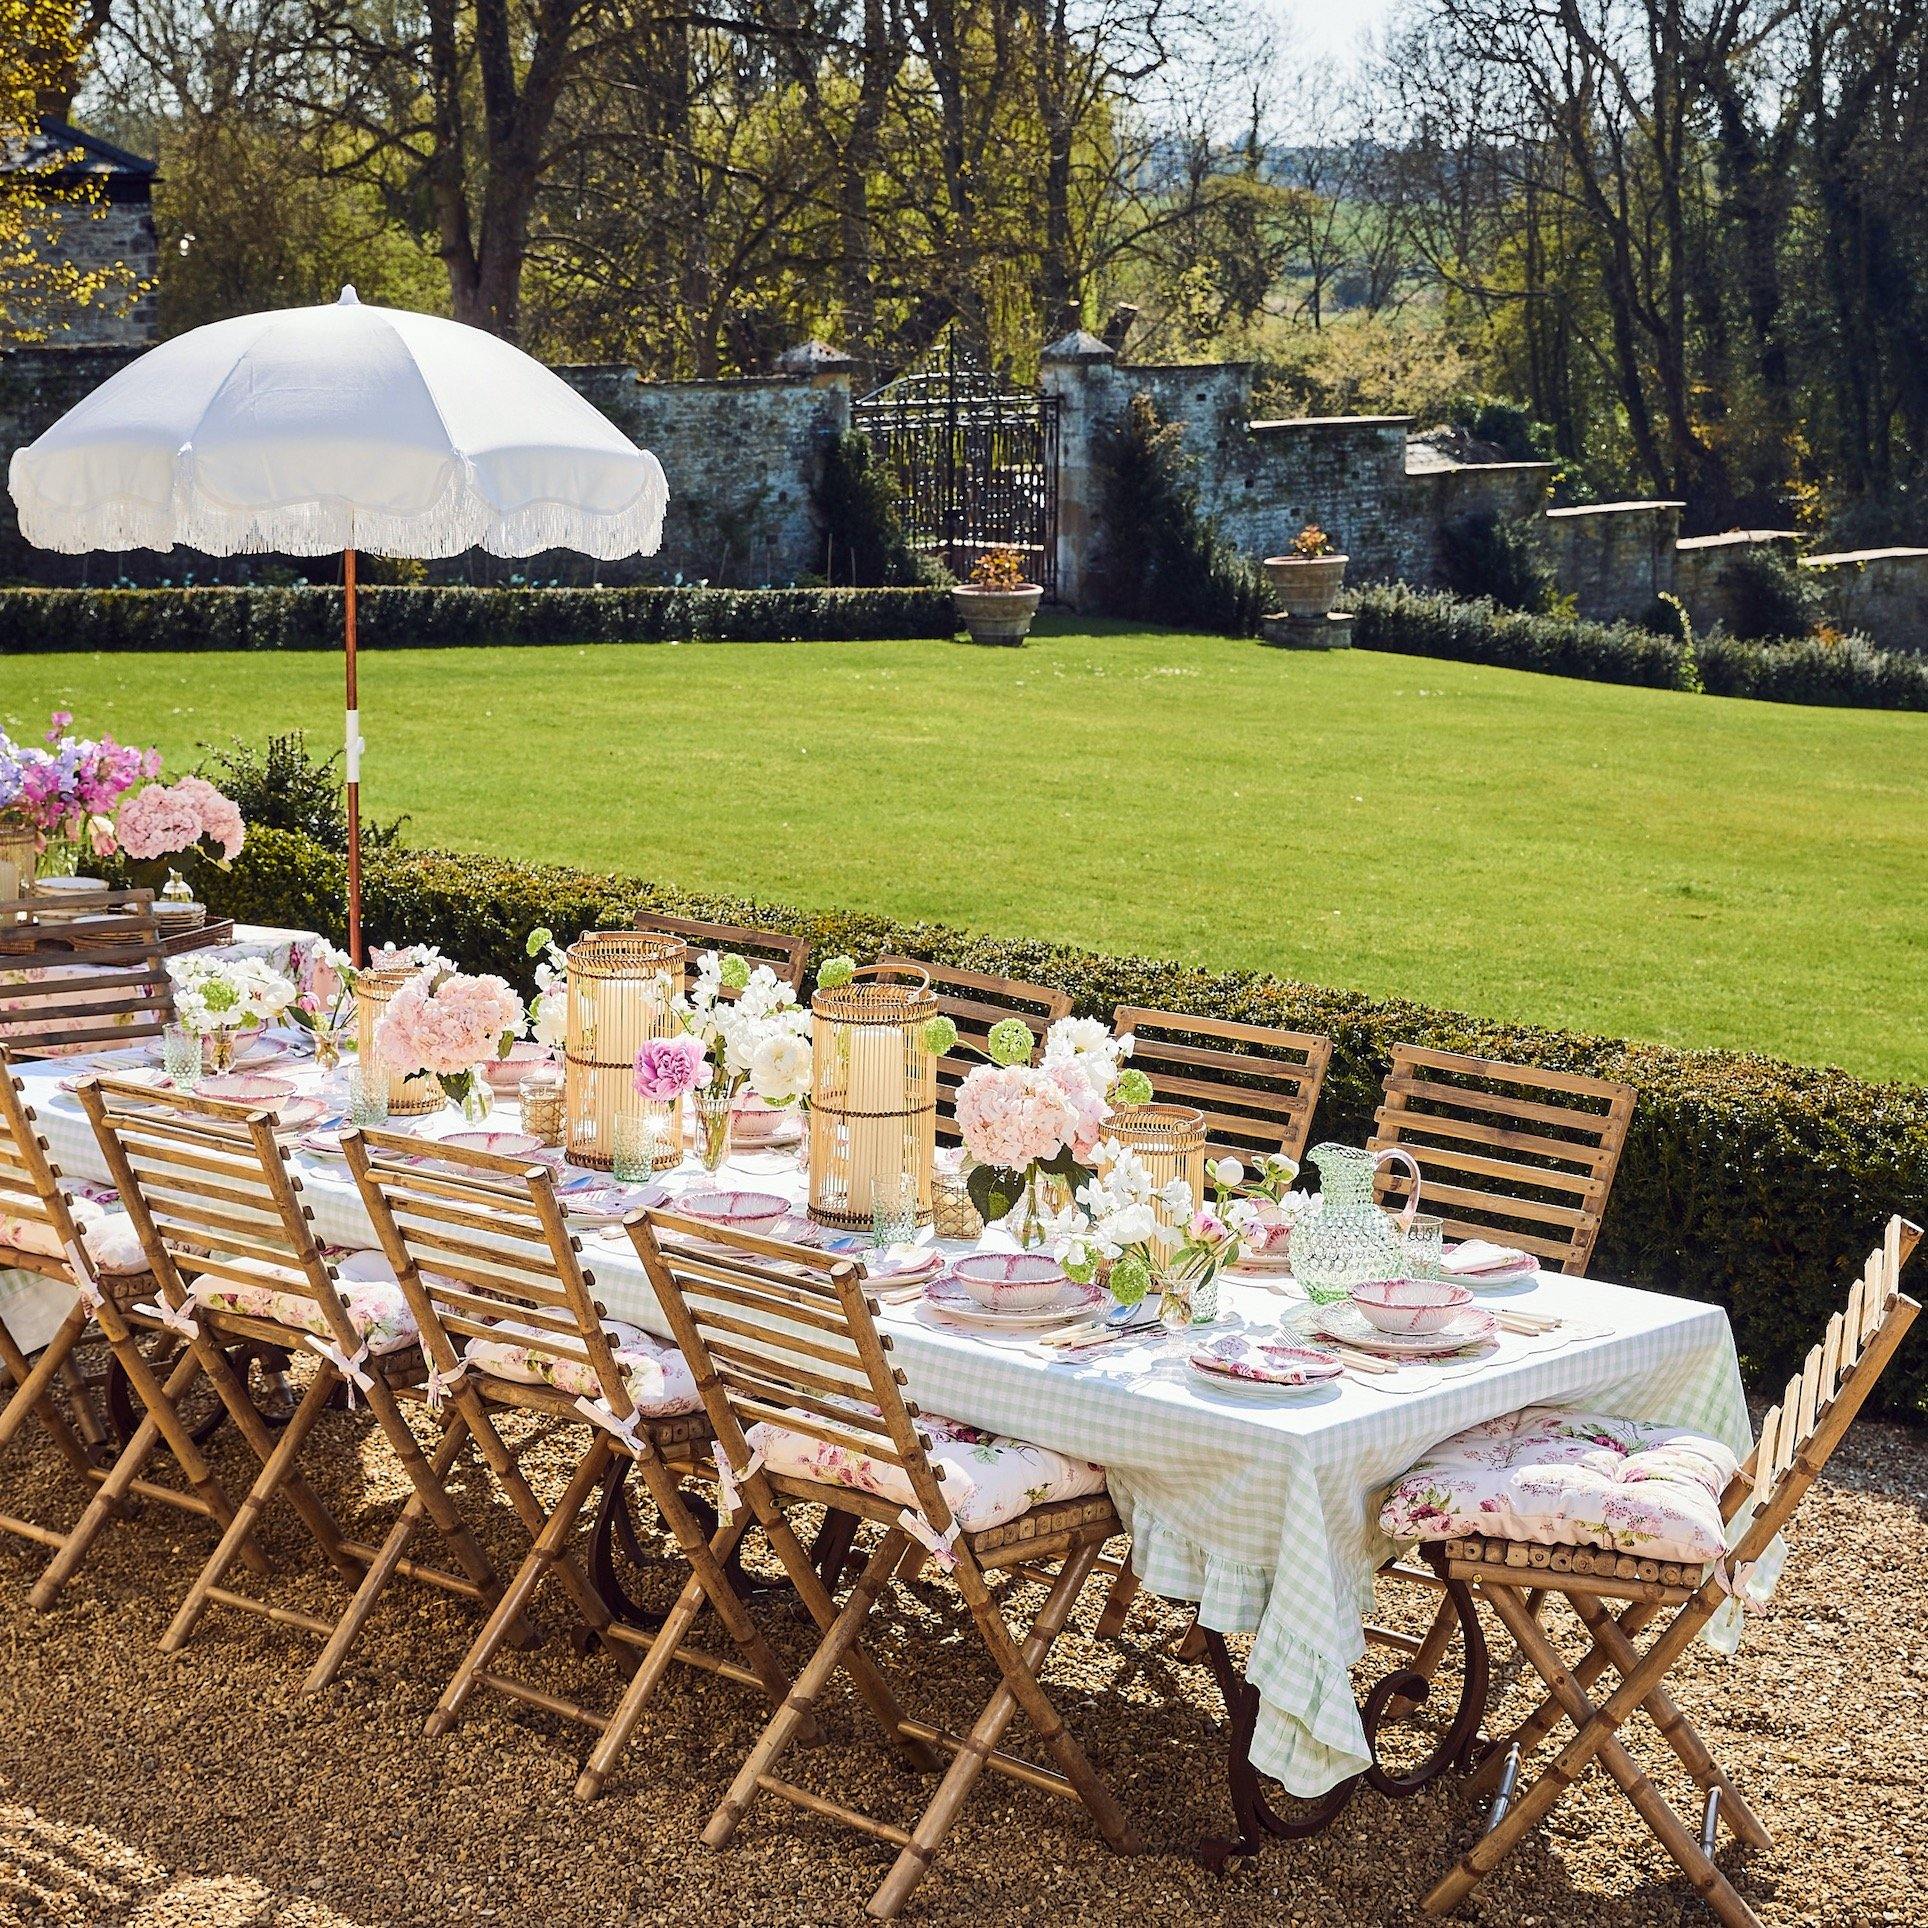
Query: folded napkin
x: 1479, y: 1258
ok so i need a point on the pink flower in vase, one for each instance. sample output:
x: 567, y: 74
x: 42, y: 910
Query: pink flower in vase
x: 667, y: 1068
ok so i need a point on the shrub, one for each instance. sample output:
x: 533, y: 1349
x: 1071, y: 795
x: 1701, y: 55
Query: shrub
x: 1160, y: 560
x: 284, y: 786
x: 1851, y: 672
x: 1767, y: 597
x: 1753, y: 1183
x: 859, y: 506
x: 1482, y: 554
x: 36, y: 620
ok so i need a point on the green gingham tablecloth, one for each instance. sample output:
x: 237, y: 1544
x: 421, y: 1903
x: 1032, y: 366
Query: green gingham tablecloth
x: 1264, y: 1512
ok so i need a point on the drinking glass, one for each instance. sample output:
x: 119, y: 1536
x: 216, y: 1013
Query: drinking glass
x: 366, y: 1087
x: 181, y: 1056
x: 715, y: 1108
x: 1425, y: 1242
x: 634, y: 1143
x: 893, y: 1210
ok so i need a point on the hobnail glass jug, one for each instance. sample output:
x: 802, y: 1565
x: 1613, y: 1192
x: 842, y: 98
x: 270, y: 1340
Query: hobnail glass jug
x: 1346, y: 1238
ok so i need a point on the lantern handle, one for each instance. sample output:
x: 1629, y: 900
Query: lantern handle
x: 887, y: 972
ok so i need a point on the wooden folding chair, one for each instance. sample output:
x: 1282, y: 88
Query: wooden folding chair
x: 974, y: 1001
x: 786, y: 955
x: 495, y: 1279
x: 32, y: 1197
x: 1508, y: 1152
x: 1618, y: 1596
x: 782, y: 1338
x: 213, y: 1200
x: 91, y: 979
x: 1258, y: 1086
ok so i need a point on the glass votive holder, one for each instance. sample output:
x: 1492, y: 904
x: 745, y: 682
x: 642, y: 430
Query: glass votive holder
x: 893, y: 1210
x: 1425, y: 1243
x: 182, y: 1056
x: 366, y: 1089
x: 542, y: 1103
x: 635, y: 1141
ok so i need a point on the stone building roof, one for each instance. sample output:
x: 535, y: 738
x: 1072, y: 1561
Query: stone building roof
x: 63, y: 155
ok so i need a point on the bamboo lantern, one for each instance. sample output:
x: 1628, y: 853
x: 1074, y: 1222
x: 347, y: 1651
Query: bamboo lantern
x: 1170, y: 1140
x: 410, y: 1094
x: 873, y: 1098
x: 19, y: 856
x: 620, y: 985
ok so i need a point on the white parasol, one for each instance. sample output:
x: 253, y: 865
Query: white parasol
x: 310, y: 430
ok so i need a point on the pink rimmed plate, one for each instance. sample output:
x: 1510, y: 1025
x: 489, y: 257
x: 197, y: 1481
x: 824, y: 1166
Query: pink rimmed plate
x: 949, y: 1295
x: 1265, y: 1364
x: 1472, y: 1327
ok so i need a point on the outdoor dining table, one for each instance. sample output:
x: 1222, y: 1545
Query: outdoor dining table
x: 1263, y: 1511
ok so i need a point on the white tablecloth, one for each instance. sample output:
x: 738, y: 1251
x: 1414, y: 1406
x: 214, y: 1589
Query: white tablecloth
x: 1264, y: 1513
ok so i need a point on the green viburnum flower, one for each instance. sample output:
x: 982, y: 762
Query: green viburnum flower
x: 735, y: 971
x: 940, y: 1035
x: 835, y: 971
x: 1010, y: 1042
x: 1133, y: 1088
x: 540, y: 939
x: 1130, y: 1278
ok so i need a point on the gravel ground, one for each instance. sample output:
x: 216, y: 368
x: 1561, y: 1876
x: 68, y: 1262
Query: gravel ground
x: 206, y: 1790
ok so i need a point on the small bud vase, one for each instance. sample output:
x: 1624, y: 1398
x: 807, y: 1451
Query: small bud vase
x: 472, y: 1094
x: 220, y: 1052
x: 715, y: 1111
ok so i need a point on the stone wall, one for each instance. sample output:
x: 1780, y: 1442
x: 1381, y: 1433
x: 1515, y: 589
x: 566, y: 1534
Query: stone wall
x: 114, y: 234
x: 1614, y: 558
x: 742, y: 458
x: 1883, y: 592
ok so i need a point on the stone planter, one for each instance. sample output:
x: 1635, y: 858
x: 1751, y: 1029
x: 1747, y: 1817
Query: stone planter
x: 1308, y: 586
x: 1001, y: 616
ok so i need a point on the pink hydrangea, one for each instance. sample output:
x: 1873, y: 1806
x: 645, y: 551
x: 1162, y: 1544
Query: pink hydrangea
x: 447, y: 1025
x: 1014, y: 1115
x: 1089, y: 1106
x: 666, y: 1068
x: 165, y: 819
x: 220, y: 815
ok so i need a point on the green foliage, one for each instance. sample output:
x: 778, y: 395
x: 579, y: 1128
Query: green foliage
x: 859, y: 506
x: 1851, y: 673
x: 1768, y: 598
x: 1482, y: 553
x: 1749, y: 1182
x: 50, y: 620
x: 284, y: 786
x: 1160, y: 559
x: 1503, y: 425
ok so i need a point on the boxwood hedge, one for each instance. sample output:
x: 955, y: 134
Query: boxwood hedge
x: 34, y: 621
x: 1754, y: 1183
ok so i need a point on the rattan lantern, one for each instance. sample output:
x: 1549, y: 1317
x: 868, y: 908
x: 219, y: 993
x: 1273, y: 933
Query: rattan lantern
x: 620, y: 987
x: 411, y: 1093
x: 873, y: 1097
x: 1170, y: 1140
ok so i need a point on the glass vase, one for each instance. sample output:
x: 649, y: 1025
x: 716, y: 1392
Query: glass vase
x: 1045, y: 1195
x: 220, y: 1053
x: 329, y: 1040
x: 715, y: 1113
x: 474, y: 1094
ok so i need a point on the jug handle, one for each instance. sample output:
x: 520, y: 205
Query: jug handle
x: 1410, y: 1210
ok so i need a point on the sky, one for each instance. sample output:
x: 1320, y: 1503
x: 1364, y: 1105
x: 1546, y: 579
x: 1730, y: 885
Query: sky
x: 1330, y: 28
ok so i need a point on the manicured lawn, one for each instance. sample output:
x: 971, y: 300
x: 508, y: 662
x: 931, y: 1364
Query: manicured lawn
x: 1689, y: 869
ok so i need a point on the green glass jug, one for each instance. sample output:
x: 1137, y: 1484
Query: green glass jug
x: 1347, y: 1238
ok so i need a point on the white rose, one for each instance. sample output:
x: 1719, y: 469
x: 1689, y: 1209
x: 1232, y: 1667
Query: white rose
x: 1229, y: 1172
x: 780, y: 1070
x: 551, y: 1020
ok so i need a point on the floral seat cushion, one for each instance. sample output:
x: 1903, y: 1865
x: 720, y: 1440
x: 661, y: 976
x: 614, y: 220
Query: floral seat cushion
x: 106, y: 1231
x: 1570, y: 1479
x: 987, y: 1479
x: 659, y: 1380
x: 372, y: 1298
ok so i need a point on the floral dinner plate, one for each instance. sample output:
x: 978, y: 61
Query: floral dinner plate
x: 1344, y: 1321
x: 950, y: 1296
x: 1267, y: 1363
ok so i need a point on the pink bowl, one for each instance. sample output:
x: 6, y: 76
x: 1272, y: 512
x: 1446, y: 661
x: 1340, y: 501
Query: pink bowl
x: 505, y: 1075
x: 1409, y: 1305
x: 247, y: 1088
x: 757, y: 1212
x: 755, y: 1123
x: 1010, y: 1281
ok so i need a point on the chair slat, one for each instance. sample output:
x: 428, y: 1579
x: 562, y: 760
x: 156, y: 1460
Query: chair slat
x: 1810, y: 1394
x: 786, y: 954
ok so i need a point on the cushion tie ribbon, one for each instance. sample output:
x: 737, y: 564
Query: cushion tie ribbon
x: 440, y: 1384
x: 940, y: 1546
x: 349, y: 1365
x: 177, y: 1318
x: 729, y: 1481
x: 91, y: 1296
x: 1732, y: 1581
x: 599, y: 1412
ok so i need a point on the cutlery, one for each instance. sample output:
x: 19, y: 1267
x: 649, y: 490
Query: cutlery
x: 1527, y: 1322
x: 1363, y: 1361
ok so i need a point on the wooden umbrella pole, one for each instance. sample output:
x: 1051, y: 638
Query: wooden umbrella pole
x: 354, y: 766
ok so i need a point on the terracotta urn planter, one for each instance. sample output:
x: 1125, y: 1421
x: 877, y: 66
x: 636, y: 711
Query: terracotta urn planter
x: 1308, y: 586
x: 1000, y: 616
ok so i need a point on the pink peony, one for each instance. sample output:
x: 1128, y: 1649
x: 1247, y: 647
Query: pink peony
x: 666, y: 1068
x: 447, y: 1025
x: 1208, y: 1227
x: 1012, y: 1116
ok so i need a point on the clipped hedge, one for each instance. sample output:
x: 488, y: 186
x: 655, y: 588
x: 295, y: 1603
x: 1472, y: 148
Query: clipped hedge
x: 34, y: 621
x: 1754, y: 1183
x: 1850, y: 673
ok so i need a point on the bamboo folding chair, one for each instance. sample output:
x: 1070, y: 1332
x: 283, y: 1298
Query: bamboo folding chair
x: 1258, y: 1086
x: 974, y: 1001
x: 1513, y: 1153
x: 31, y: 1194
x: 785, y: 1338
x: 786, y: 955
x: 212, y: 1198
x: 1617, y: 1597
x: 485, y: 1255
x: 92, y: 980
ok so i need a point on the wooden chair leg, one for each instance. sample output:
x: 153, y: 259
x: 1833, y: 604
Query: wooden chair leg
x: 274, y: 1473
x: 1538, y: 1725
x: 542, y: 1555
x: 1425, y: 1662
x: 33, y: 1389
x: 1020, y: 1688
x: 1124, y: 1590
x: 839, y: 1641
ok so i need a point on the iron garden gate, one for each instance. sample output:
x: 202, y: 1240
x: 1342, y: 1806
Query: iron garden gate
x: 977, y: 463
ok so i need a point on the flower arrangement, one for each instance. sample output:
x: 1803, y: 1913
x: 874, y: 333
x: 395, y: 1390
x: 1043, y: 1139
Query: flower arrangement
x: 759, y: 1039
x: 449, y: 1023
x: 1023, y: 1123
x: 171, y: 820
x: 549, y: 1013
x: 1261, y: 1207
x: 999, y: 569
x: 70, y: 790
x: 215, y: 997
x: 1310, y: 544
x: 324, y: 995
